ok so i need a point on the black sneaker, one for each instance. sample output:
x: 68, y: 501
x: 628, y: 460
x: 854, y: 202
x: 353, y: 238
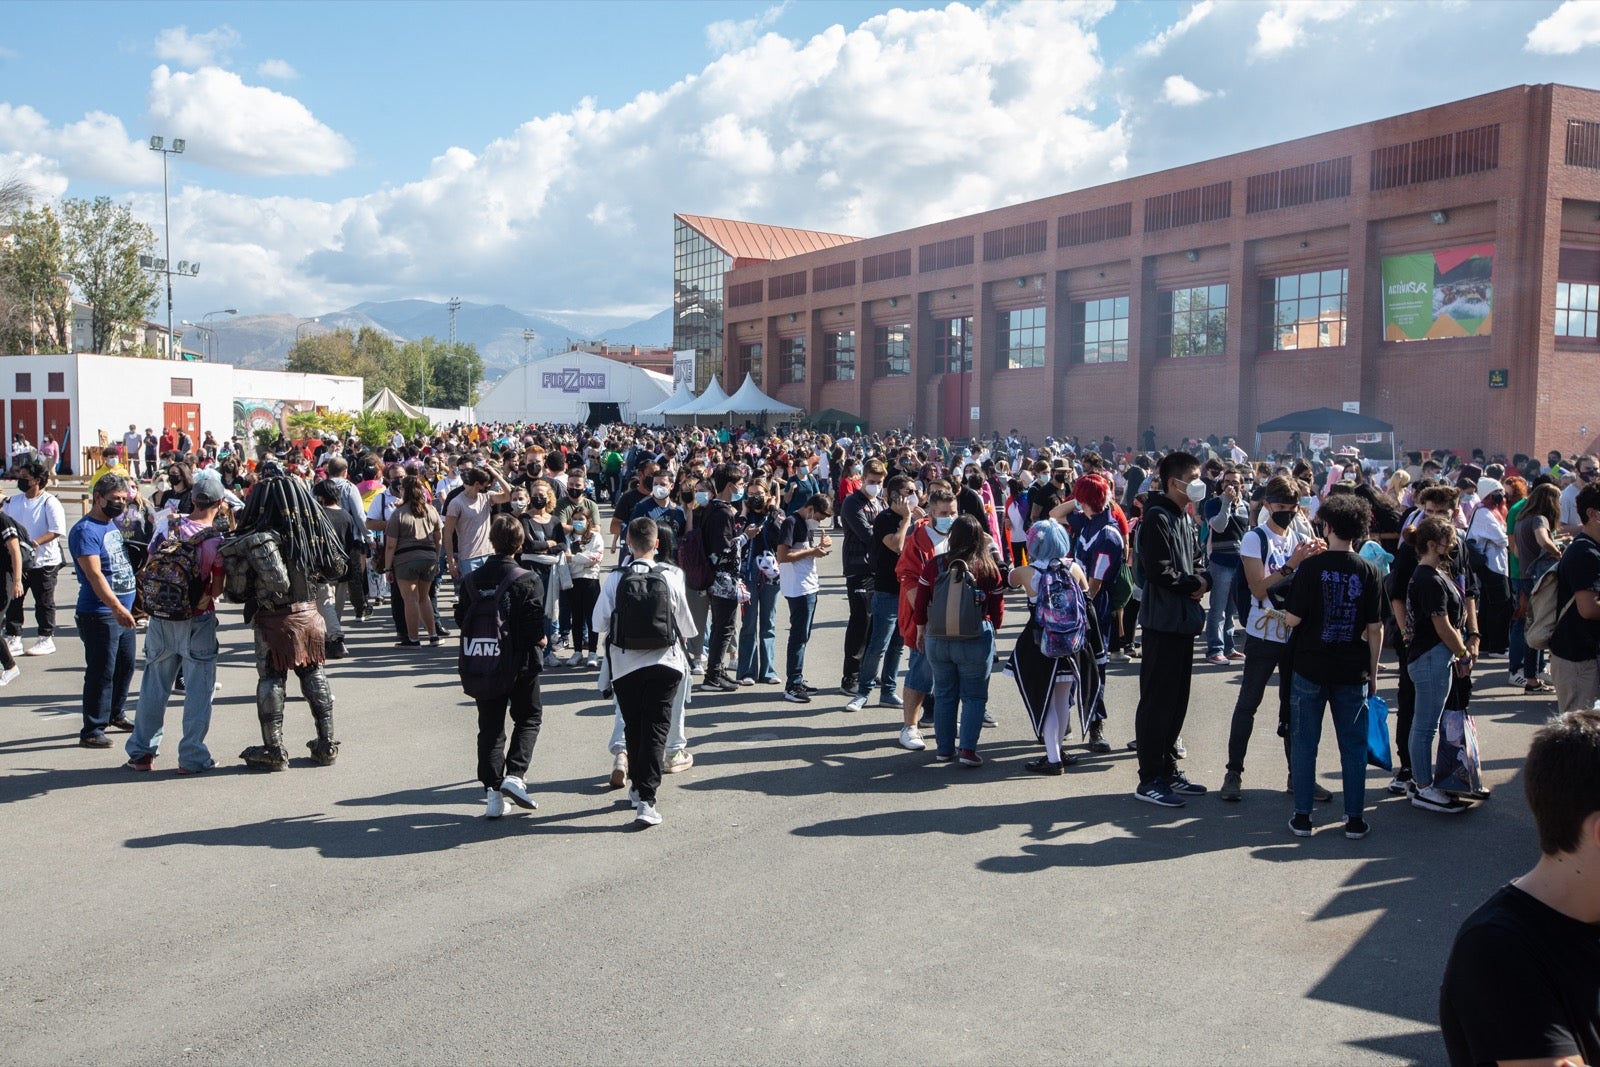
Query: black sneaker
x: 1300, y: 825
x: 1157, y: 793
x: 1042, y: 765
x: 1179, y: 783
x: 797, y: 695
x: 1355, y: 827
x: 718, y: 685
x: 808, y: 687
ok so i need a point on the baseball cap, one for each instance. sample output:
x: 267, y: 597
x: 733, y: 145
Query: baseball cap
x: 207, y: 487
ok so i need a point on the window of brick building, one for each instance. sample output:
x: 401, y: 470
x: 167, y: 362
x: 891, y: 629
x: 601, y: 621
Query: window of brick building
x: 55, y: 382
x: 891, y: 351
x: 1021, y: 338
x: 791, y: 360
x: 1100, y: 330
x: 952, y: 345
x: 1578, y: 310
x: 839, y: 356
x: 24, y: 382
x: 1192, y: 322
x: 1304, y: 310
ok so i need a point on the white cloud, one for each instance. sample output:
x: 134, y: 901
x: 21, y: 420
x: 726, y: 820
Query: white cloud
x: 1283, y: 25
x: 1181, y: 92
x: 277, y: 69
x: 726, y: 35
x: 1191, y: 18
x: 96, y: 147
x: 244, y: 128
x: 1572, y: 26
x: 190, y: 50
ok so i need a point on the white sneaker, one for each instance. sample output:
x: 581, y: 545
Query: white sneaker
x: 619, y: 770
x: 911, y: 737
x: 678, y: 761
x: 856, y: 703
x: 646, y: 815
x: 515, y: 790
x: 1517, y: 678
x: 633, y: 796
x: 42, y: 647
x: 15, y: 645
x: 10, y: 675
x: 494, y: 804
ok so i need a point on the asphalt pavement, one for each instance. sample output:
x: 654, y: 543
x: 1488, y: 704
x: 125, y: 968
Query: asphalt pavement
x: 815, y: 894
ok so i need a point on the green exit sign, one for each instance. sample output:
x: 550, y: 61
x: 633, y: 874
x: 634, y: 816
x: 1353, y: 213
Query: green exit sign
x: 1498, y: 379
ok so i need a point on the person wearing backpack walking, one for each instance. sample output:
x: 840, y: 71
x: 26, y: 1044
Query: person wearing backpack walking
x: 959, y: 606
x: 502, y: 630
x: 1054, y: 662
x: 1575, y: 641
x: 1175, y: 582
x: 179, y: 586
x: 645, y: 616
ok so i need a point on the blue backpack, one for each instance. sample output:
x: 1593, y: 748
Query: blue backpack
x: 1062, y: 612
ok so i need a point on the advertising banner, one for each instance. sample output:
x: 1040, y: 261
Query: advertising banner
x: 683, y: 368
x: 1446, y: 293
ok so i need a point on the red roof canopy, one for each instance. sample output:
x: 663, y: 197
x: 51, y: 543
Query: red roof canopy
x: 757, y: 243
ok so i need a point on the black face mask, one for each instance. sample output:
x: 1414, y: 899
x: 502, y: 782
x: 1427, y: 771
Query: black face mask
x: 113, y: 508
x: 24, y: 485
x: 575, y: 492
x: 1281, y: 519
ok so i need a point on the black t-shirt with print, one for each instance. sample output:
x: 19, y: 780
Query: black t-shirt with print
x: 1576, y: 638
x: 1430, y: 593
x: 1045, y: 494
x: 1522, y: 983
x: 1337, y: 596
x: 887, y: 524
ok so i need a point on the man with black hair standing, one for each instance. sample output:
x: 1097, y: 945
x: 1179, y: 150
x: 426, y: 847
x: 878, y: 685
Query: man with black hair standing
x: 42, y: 518
x: 105, y: 615
x: 723, y: 542
x: 1575, y: 644
x: 857, y: 514
x: 1174, y: 584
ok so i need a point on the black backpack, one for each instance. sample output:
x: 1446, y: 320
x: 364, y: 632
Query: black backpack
x: 485, y: 671
x: 641, y: 618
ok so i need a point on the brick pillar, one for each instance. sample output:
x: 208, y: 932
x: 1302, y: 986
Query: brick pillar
x: 814, y: 361
x: 984, y: 354
x: 922, y: 364
x: 1244, y: 331
x: 862, y: 392
x: 1142, y: 354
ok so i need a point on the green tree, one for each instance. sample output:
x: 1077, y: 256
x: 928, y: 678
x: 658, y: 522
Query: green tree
x: 453, y: 375
x: 370, y: 355
x: 103, y: 243
x: 33, y: 274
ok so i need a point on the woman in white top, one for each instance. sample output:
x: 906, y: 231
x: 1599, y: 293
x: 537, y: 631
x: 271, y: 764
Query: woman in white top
x: 1017, y: 523
x: 1486, y: 532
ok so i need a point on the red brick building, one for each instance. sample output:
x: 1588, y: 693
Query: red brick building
x: 1441, y: 268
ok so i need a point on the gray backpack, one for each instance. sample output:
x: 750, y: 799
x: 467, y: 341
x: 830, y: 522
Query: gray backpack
x: 955, y: 613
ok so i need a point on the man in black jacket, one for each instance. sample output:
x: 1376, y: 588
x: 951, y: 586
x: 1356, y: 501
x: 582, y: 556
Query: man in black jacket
x: 1171, y: 615
x: 504, y: 772
x: 860, y: 509
x: 723, y: 539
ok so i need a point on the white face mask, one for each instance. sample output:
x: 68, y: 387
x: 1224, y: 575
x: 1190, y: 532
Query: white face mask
x: 1197, y: 490
x: 872, y: 489
x: 660, y: 492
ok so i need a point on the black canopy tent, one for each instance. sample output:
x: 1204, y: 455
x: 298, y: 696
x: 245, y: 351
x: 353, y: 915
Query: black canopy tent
x: 1331, y: 421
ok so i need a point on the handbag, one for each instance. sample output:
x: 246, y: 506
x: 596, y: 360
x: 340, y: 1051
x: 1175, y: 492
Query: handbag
x: 561, y: 577
x: 1379, y: 751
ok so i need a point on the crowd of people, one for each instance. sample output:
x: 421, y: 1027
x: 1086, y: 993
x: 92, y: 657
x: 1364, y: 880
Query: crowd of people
x: 1307, y: 566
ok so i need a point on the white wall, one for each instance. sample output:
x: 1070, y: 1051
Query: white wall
x: 334, y: 392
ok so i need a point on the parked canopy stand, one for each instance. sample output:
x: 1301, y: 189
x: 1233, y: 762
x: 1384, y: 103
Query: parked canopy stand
x: 1331, y: 421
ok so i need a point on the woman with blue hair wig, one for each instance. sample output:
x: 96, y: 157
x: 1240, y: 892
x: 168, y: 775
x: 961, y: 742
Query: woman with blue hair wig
x: 1048, y: 541
x: 1051, y: 686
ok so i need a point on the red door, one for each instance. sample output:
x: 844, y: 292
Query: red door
x: 955, y: 402
x: 25, y: 421
x: 58, y: 424
x: 184, y: 417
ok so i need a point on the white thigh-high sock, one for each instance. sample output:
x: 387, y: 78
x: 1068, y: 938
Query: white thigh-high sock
x: 1052, y: 733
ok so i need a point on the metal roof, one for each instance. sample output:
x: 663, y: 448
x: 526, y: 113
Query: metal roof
x: 750, y: 240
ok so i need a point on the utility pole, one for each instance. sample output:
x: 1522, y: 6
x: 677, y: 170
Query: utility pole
x: 455, y: 306
x: 527, y: 344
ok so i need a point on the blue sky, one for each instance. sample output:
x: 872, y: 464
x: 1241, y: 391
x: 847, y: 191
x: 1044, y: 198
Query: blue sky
x: 532, y: 154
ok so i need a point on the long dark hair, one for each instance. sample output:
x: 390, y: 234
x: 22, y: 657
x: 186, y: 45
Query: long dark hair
x: 415, y: 495
x: 966, y: 544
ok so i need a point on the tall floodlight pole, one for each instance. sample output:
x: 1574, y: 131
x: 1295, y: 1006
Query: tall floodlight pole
x: 455, y: 305
x: 527, y: 343
x: 206, y: 318
x: 157, y: 144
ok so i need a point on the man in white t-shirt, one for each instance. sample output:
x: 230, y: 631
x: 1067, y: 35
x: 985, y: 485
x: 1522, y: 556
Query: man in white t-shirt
x: 800, y: 543
x: 1269, y: 553
x: 1586, y: 468
x: 132, y: 443
x: 41, y: 516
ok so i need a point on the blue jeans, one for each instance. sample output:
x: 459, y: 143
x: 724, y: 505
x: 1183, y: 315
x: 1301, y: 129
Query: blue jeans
x: 1431, y: 676
x: 1220, y: 615
x: 883, y: 646
x: 108, y: 655
x: 169, y: 644
x: 919, y: 674
x: 802, y: 609
x: 960, y: 675
x: 1349, y: 729
x: 758, y: 629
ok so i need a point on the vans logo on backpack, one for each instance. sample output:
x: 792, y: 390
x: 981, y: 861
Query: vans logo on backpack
x: 481, y: 646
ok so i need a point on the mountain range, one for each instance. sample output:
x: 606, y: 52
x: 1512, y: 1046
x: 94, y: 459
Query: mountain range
x: 263, y: 341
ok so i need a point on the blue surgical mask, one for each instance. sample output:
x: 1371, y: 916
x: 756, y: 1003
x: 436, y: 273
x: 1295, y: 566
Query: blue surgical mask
x: 702, y: 498
x: 1307, y: 501
x: 738, y: 494
x: 943, y: 523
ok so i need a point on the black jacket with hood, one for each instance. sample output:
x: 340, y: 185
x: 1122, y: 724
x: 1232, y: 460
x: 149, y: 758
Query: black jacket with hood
x: 1170, y: 559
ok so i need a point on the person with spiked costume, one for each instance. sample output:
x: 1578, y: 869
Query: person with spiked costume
x: 284, y: 550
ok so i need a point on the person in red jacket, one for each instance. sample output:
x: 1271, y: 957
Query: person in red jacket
x: 922, y: 538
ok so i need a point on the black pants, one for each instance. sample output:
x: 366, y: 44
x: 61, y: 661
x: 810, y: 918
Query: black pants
x: 495, y: 760
x: 358, y: 586
x: 724, y: 631
x: 1406, y: 708
x: 40, y: 583
x: 1261, y: 658
x: 858, y: 589
x: 1494, y: 611
x: 1164, y: 675
x: 582, y: 597
x: 645, y: 699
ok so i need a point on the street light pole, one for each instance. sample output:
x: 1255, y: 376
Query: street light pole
x: 527, y: 344
x: 157, y: 145
x: 206, y: 318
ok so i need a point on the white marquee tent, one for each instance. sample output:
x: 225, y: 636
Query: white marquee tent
x: 574, y: 387
x: 682, y: 397
x: 708, y: 405
x: 750, y: 400
x: 386, y: 400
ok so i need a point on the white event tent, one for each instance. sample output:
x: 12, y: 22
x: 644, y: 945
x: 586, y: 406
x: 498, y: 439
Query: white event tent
x: 682, y: 397
x: 573, y: 387
x: 709, y: 404
x: 750, y: 400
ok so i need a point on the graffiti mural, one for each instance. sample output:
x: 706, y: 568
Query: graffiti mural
x: 250, y: 415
